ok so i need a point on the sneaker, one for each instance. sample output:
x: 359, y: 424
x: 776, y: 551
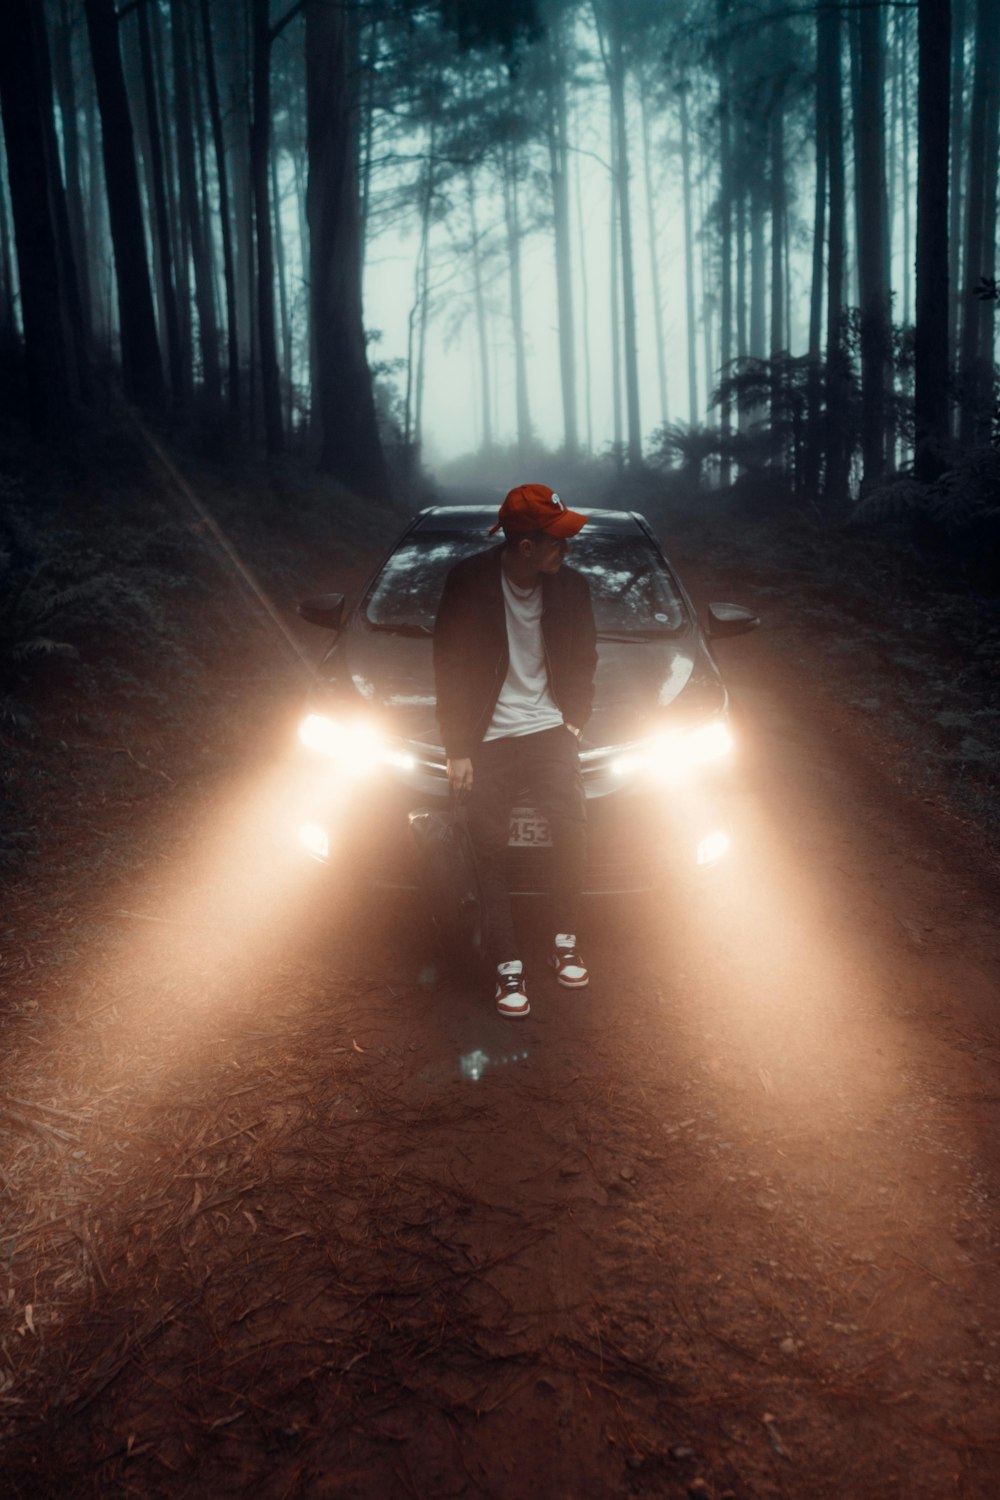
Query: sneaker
x: 510, y: 996
x: 570, y: 968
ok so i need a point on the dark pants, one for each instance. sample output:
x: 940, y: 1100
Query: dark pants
x: 545, y: 767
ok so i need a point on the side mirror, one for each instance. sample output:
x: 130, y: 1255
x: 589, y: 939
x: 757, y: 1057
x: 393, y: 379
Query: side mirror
x: 324, y: 609
x: 730, y: 619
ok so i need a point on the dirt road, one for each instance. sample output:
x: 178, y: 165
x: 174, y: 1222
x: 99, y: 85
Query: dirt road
x: 289, y: 1214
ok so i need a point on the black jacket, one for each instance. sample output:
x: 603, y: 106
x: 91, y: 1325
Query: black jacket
x: 470, y: 648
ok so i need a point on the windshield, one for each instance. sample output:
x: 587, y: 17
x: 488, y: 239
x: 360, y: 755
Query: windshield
x: 632, y: 592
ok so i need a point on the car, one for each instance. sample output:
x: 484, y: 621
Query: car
x: 656, y: 754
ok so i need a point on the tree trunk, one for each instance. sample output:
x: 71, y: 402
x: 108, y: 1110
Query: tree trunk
x: 479, y: 302
x: 708, y: 278
x: 654, y: 261
x: 161, y: 216
x: 420, y: 314
x: 617, y: 82
x: 99, y: 273
x: 758, y: 271
x: 694, y: 407
x: 47, y: 343
x: 65, y: 75
x: 559, y: 179
x: 742, y: 344
x: 298, y: 158
x: 829, y: 45
x: 618, y: 422
x: 141, y: 368
x: 903, y: 21
x: 190, y: 204
x: 200, y: 111
x: 854, y: 55
x: 236, y: 52
x: 132, y: 61
x: 260, y: 140
x: 870, y: 141
x: 814, y: 387
x: 368, y: 133
x: 978, y: 258
x: 958, y: 162
x: 286, y: 324
x: 8, y: 322
x: 776, y: 137
x: 69, y: 287
x: 725, y: 239
x: 228, y: 268
x: 581, y: 261
x: 180, y: 249
x: 891, y: 50
x: 930, y: 407
x: 987, y: 307
x: 512, y: 219
x: 343, y: 400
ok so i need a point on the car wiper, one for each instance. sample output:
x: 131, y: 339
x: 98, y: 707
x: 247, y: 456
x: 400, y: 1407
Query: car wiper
x: 639, y: 635
x: 400, y: 627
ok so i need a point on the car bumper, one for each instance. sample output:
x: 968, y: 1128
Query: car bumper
x: 639, y: 838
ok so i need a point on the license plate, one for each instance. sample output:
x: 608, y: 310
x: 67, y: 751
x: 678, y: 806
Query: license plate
x: 528, y: 829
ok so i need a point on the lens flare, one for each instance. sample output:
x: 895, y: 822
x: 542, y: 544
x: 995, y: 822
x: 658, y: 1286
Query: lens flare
x: 314, y: 840
x: 713, y: 847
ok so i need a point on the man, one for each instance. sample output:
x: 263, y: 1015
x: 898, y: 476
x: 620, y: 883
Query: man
x: 514, y: 660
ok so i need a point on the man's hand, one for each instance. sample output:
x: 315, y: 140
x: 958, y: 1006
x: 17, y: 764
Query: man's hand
x: 460, y: 774
x: 576, y: 733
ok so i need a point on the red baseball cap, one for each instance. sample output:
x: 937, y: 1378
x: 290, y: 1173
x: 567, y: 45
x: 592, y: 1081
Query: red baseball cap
x: 534, y: 507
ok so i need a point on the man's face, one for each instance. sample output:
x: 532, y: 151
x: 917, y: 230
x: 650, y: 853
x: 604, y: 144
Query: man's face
x: 548, y: 553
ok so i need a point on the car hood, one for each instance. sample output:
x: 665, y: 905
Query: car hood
x: 640, y: 686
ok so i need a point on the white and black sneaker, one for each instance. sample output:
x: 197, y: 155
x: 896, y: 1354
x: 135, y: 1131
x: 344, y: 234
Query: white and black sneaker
x: 570, y: 968
x: 510, y: 995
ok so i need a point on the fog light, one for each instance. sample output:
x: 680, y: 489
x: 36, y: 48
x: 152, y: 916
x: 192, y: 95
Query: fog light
x: 314, y: 840
x: 713, y: 847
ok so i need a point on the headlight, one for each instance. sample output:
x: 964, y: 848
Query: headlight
x: 671, y: 755
x: 357, y: 746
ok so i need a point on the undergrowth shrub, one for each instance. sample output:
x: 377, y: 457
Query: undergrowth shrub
x: 79, y: 609
x: 955, y: 518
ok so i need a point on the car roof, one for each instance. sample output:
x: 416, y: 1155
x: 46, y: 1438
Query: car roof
x: 476, y: 518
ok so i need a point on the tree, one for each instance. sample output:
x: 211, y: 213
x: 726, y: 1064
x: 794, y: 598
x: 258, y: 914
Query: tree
x: 872, y: 255
x: 610, y: 16
x: 931, y: 345
x: 197, y: 232
x: 725, y: 229
x: 829, y: 42
x: 47, y: 345
x: 260, y: 142
x: 558, y: 148
x: 976, y: 372
x: 161, y: 212
x: 228, y: 262
x: 141, y: 367
x: 343, y: 401
x: 65, y: 76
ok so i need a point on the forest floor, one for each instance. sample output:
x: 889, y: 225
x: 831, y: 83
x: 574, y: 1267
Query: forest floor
x: 288, y: 1212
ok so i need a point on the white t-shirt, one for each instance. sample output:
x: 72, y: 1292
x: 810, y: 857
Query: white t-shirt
x: 525, y: 704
